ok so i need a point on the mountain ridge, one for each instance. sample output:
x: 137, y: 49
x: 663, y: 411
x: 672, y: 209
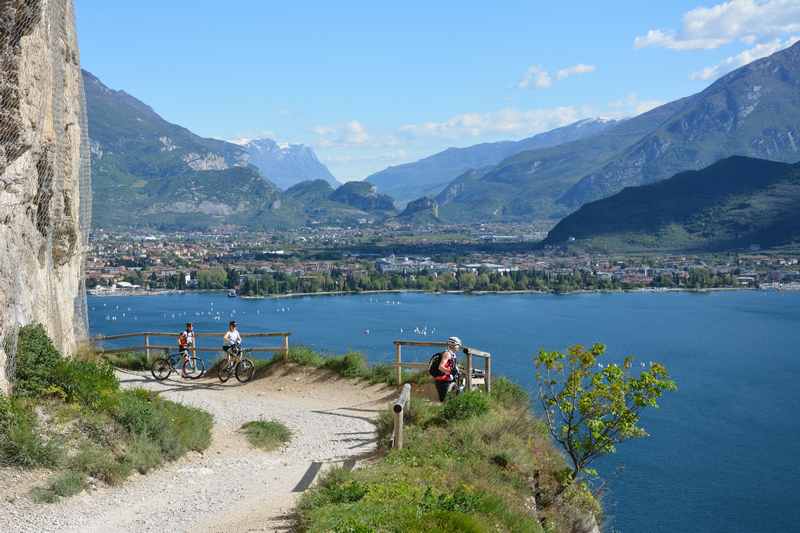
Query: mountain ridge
x: 735, y: 203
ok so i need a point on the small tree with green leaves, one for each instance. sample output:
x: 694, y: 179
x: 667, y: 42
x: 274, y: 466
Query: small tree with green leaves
x: 591, y: 407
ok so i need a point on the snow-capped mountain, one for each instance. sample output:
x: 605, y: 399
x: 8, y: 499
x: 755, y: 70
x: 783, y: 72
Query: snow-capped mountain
x: 285, y: 164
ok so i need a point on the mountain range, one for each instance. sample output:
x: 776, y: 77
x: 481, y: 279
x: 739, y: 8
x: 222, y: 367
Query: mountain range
x: 285, y: 164
x: 149, y: 172
x: 428, y: 176
x: 752, y: 111
x: 736, y: 203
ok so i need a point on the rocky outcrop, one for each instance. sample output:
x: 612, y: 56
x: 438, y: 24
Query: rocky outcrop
x: 44, y: 175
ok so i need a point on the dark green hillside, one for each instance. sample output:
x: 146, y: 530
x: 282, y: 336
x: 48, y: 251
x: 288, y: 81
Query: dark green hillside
x: 733, y: 204
x: 364, y: 196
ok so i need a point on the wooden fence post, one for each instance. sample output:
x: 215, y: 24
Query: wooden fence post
x: 469, y: 370
x: 286, y: 347
x: 147, y: 347
x: 398, y: 409
x: 398, y: 361
x: 488, y: 375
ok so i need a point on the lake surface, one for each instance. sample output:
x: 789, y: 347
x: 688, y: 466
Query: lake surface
x: 724, y: 451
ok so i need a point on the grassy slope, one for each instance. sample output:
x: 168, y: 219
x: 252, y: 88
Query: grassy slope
x: 476, y: 464
x: 71, y: 417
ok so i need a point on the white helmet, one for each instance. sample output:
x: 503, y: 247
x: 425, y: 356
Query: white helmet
x: 454, y: 342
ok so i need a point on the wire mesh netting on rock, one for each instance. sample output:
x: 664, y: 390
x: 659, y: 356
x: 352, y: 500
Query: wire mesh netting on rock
x: 45, y: 175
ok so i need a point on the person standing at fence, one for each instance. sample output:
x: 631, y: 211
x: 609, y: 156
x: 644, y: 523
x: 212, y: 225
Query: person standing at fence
x: 448, y: 368
x: 186, y: 340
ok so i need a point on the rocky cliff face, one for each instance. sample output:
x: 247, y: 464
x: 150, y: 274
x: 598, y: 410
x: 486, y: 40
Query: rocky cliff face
x: 44, y: 175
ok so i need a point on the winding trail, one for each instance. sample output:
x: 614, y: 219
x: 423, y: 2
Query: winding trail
x: 230, y: 486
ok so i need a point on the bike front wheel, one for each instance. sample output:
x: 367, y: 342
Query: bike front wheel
x: 161, y: 369
x: 225, y: 371
x: 194, y: 367
x: 245, y: 370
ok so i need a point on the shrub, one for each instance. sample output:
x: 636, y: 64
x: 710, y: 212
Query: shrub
x: 266, y: 435
x: 128, y: 360
x: 63, y: 485
x: 20, y: 441
x: 90, y: 384
x: 349, y: 365
x: 35, y: 361
x: 509, y: 394
x: 302, y: 355
x: 99, y: 463
x: 466, y: 405
x: 144, y: 454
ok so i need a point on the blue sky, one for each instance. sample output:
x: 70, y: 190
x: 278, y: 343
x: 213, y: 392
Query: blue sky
x: 373, y: 84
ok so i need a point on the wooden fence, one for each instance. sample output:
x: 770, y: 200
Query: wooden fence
x: 470, y: 353
x: 147, y: 348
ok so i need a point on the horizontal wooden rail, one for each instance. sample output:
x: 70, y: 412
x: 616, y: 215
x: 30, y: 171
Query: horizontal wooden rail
x: 163, y: 334
x: 99, y: 339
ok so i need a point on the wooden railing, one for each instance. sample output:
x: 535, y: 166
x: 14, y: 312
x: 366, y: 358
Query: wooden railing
x: 470, y: 353
x: 147, y: 347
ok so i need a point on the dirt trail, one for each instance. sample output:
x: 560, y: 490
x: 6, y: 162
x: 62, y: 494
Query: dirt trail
x: 231, y: 486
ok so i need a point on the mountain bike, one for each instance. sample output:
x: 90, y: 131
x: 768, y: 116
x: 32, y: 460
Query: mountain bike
x: 236, y: 363
x: 190, y: 366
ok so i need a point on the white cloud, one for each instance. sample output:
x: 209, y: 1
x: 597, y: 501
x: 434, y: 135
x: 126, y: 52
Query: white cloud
x: 631, y: 105
x: 505, y: 122
x: 712, y: 27
x: 351, y: 133
x: 580, y: 68
x: 747, y: 56
x: 537, y: 77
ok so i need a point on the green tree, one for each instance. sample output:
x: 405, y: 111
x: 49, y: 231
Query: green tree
x: 591, y: 407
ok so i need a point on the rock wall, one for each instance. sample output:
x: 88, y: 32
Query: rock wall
x: 45, y: 193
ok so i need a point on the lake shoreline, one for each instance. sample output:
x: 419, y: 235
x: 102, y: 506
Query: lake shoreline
x: 422, y: 291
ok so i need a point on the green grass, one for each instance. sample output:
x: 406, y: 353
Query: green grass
x: 128, y: 360
x: 463, y: 468
x: 64, y: 485
x: 267, y: 435
x: 71, y: 416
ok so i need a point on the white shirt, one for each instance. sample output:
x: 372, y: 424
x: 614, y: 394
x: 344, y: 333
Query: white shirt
x: 232, y: 337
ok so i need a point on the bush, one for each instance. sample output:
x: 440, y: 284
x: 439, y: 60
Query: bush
x: 91, y: 384
x: 349, y: 365
x: 128, y: 360
x: 266, y: 435
x: 99, y: 463
x: 466, y: 405
x: 64, y: 485
x: 144, y: 454
x: 36, y: 358
x: 304, y: 356
x: 509, y: 394
x: 20, y: 441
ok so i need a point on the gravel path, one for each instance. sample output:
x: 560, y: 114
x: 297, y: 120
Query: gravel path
x: 231, y: 486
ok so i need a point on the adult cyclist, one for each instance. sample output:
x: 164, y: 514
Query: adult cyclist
x: 232, y: 338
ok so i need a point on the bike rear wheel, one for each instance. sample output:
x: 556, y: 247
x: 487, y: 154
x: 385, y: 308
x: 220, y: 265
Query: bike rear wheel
x: 245, y: 370
x: 194, y: 367
x: 161, y: 369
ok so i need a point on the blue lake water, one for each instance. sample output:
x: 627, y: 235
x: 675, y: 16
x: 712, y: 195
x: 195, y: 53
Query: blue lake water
x: 723, y: 455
